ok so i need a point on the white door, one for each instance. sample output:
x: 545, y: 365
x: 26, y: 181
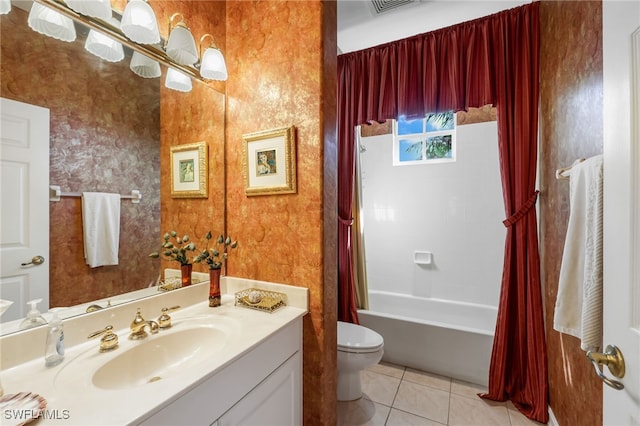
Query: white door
x: 24, y: 212
x: 621, y: 47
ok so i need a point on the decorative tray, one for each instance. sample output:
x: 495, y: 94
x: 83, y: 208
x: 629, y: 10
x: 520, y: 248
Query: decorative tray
x: 174, y: 283
x: 261, y: 300
x: 171, y: 283
x: 21, y: 408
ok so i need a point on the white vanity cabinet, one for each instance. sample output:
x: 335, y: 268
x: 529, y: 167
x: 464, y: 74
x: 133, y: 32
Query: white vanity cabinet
x: 277, y: 401
x: 263, y: 386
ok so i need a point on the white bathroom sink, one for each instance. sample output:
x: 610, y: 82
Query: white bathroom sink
x: 159, y: 356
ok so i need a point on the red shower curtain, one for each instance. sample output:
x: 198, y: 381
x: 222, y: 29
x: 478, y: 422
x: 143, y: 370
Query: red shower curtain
x: 488, y: 60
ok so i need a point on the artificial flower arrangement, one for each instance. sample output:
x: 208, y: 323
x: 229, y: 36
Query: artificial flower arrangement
x: 216, y: 255
x: 177, y: 250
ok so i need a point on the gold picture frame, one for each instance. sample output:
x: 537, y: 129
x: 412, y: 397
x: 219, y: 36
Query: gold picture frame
x: 189, y: 171
x: 270, y: 162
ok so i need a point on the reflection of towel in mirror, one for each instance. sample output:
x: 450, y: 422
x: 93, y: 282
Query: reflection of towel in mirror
x: 101, y: 228
x: 578, y: 310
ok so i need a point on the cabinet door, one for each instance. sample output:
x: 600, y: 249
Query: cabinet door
x: 276, y: 401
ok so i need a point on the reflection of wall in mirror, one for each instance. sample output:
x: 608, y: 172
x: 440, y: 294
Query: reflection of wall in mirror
x: 193, y: 117
x: 104, y: 137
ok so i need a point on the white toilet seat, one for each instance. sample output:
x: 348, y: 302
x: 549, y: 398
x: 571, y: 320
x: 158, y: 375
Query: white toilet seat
x: 353, y: 338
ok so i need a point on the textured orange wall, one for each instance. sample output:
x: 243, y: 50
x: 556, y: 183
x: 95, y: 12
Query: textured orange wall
x: 104, y: 136
x: 193, y: 117
x: 570, y: 127
x: 282, y: 73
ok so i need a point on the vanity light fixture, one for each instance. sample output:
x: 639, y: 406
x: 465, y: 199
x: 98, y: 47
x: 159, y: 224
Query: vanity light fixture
x: 177, y: 81
x: 105, y: 47
x: 96, y: 8
x: 147, y: 56
x: 181, y: 47
x: 212, y: 65
x: 139, y: 22
x: 51, y: 23
x: 5, y: 7
x: 144, y: 66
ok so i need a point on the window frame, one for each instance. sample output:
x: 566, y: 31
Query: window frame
x: 423, y: 138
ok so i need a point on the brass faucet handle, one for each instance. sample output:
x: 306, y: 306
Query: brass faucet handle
x: 137, y: 321
x: 109, y: 339
x: 164, y: 320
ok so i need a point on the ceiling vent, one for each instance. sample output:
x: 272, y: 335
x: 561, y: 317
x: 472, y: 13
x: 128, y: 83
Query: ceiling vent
x: 381, y: 6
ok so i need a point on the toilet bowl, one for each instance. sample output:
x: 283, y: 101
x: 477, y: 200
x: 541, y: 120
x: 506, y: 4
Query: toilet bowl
x: 358, y: 348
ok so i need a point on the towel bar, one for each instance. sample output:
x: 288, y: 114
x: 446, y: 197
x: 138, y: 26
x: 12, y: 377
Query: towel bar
x: 55, y: 193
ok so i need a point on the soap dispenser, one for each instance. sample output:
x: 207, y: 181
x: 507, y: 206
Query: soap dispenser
x: 34, y: 318
x: 54, y: 350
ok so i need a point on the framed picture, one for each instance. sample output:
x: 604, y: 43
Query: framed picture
x: 270, y: 162
x: 189, y: 173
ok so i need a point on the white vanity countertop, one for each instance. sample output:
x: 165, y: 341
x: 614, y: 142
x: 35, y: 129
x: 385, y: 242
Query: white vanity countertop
x: 72, y: 398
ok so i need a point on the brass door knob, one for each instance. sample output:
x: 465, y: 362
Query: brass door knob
x: 613, y: 359
x: 35, y: 260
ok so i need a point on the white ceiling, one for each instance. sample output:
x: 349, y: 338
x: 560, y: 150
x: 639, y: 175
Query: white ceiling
x: 360, y: 27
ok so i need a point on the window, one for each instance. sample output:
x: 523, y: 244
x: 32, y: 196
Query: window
x: 427, y: 140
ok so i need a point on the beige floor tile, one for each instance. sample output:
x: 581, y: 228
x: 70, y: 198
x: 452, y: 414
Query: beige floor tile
x: 362, y: 412
x: 466, y: 389
x: 389, y: 369
x: 423, y: 401
x: 465, y: 411
x: 401, y: 418
x: 428, y: 379
x: 378, y: 387
x: 519, y: 419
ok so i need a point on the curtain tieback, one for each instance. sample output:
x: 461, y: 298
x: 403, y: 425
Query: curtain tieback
x: 524, y: 209
x: 346, y: 222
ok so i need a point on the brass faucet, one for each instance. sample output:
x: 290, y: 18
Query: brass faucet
x: 94, y: 307
x: 109, y: 339
x: 138, y: 325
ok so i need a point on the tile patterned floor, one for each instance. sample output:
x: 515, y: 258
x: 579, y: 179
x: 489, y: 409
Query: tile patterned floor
x: 399, y: 396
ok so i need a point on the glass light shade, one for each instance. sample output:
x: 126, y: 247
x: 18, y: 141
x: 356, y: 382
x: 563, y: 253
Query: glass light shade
x: 5, y: 7
x: 181, y: 46
x: 213, y: 66
x: 96, y: 8
x: 51, y: 23
x: 177, y: 81
x: 105, y: 47
x: 139, y: 23
x: 144, y: 66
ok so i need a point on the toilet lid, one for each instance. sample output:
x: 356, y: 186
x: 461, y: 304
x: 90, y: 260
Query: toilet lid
x: 356, y: 338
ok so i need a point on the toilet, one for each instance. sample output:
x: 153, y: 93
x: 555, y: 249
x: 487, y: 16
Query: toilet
x: 358, y: 348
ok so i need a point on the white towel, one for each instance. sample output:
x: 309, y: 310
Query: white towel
x: 101, y: 227
x: 578, y: 310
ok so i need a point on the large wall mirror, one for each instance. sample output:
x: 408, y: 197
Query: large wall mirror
x: 110, y: 131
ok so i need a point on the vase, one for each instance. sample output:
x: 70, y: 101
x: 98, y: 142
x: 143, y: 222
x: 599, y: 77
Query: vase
x: 215, y: 297
x: 186, y: 274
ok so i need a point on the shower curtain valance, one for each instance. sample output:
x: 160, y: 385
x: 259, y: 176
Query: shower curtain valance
x: 491, y: 60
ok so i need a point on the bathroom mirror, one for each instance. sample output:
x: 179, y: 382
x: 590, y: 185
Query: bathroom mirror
x: 109, y: 132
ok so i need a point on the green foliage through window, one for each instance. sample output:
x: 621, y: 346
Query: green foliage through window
x: 430, y: 139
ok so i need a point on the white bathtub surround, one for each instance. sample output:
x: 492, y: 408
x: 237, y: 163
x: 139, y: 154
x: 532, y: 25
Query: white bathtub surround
x: 443, y: 337
x: 23, y: 363
x: 444, y: 220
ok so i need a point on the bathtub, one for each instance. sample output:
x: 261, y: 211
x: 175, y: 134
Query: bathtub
x: 453, y: 339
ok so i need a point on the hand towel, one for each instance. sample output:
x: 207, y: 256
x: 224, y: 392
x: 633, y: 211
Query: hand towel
x: 101, y: 228
x: 578, y: 309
